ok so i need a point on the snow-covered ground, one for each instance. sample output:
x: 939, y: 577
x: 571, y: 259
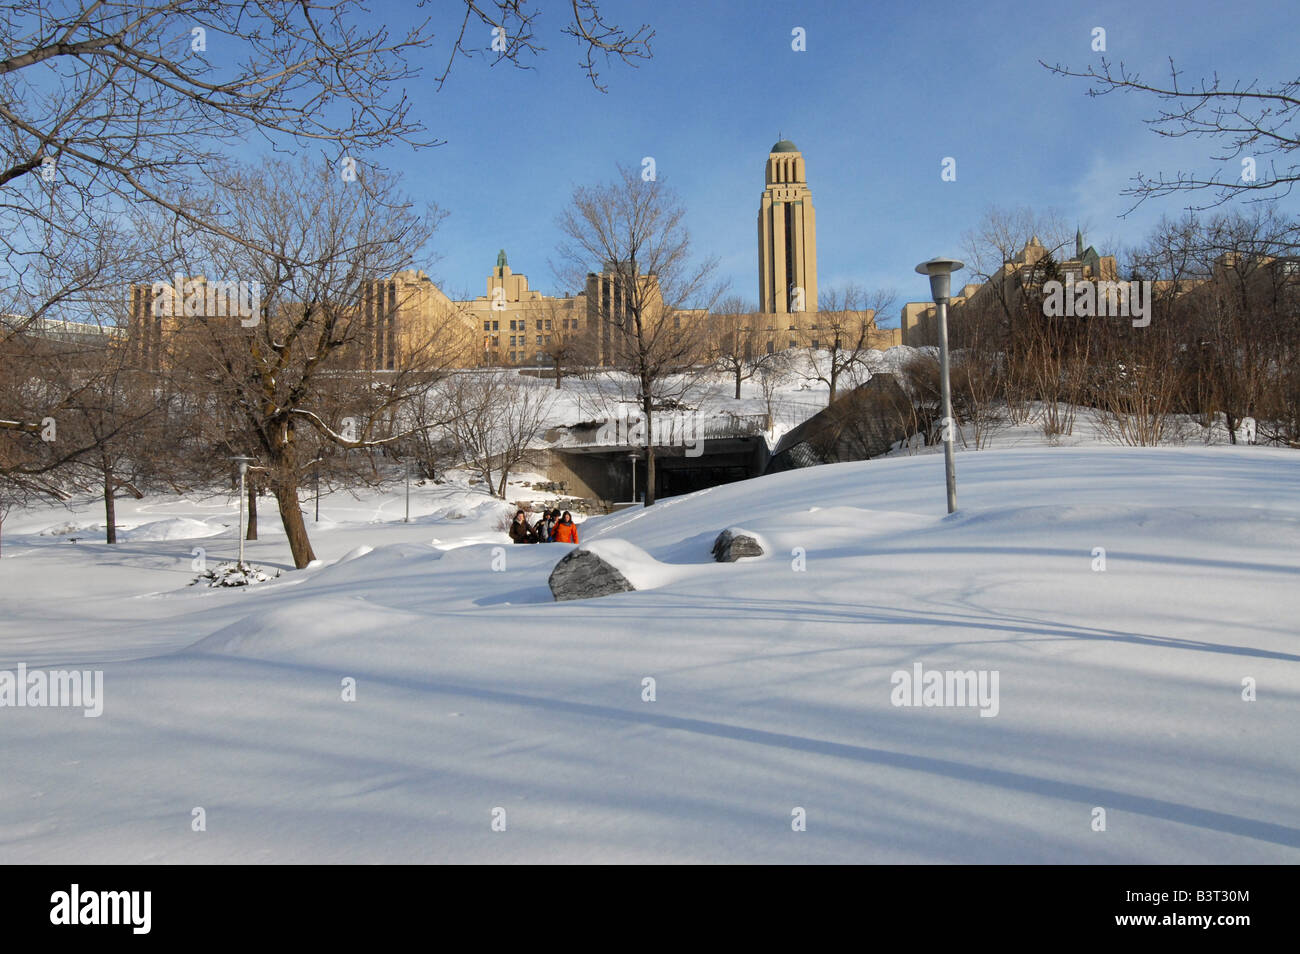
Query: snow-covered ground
x: 774, y: 678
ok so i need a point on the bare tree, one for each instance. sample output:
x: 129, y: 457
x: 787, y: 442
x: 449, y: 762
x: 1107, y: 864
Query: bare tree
x: 1006, y: 318
x: 1254, y: 126
x: 512, y: 25
x: 117, y: 100
x: 298, y: 376
x: 568, y: 341
x: 115, y: 416
x: 773, y: 374
x: 846, y: 320
x: 736, y: 341
x: 494, y: 419
x: 635, y: 230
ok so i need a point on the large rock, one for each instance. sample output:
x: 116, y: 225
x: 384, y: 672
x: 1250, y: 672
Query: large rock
x: 733, y: 544
x: 582, y: 575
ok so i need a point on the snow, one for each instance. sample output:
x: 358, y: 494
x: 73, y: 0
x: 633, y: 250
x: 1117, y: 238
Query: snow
x: 1119, y: 689
x: 173, y: 528
x: 639, y: 568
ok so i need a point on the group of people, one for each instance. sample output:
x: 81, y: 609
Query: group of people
x: 552, y: 527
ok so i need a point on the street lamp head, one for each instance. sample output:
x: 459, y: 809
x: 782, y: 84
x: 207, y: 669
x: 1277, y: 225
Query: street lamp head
x: 940, y: 271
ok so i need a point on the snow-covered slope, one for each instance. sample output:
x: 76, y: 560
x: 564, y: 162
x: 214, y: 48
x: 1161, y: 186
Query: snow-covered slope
x: 773, y: 679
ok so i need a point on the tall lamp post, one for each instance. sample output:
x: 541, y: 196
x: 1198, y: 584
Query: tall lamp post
x: 940, y: 271
x: 243, y: 463
x: 632, y: 459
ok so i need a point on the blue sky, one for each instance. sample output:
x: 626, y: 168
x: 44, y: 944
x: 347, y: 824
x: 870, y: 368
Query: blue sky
x: 883, y: 92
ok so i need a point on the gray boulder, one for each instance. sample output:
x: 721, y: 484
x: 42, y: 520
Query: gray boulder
x: 733, y: 544
x: 582, y: 575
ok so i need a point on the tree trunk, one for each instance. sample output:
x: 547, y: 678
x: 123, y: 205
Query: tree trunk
x: 557, y: 375
x: 286, y: 495
x: 737, y: 383
x: 251, y: 533
x: 649, y: 453
x: 110, y: 510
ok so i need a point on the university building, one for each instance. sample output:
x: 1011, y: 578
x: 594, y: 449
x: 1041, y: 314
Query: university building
x: 790, y: 313
x: 1028, y: 269
x: 513, y: 325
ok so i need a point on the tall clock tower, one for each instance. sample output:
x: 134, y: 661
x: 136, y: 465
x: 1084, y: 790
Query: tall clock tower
x: 787, y: 235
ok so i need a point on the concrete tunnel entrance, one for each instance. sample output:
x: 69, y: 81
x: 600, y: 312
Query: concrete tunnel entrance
x: 606, y: 472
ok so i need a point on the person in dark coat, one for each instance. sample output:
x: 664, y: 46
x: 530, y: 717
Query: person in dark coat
x: 543, y: 527
x: 520, y: 532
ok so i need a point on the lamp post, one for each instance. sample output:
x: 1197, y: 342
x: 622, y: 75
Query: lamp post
x: 632, y: 459
x: 243, y: 463
x: 940, y: 271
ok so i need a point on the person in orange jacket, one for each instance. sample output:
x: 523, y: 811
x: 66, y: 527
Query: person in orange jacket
x: 566, y: 531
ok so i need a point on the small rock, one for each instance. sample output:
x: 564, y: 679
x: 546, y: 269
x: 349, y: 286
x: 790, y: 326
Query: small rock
x: 733, y: 544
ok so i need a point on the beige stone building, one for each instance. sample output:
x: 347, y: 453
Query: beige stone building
x: 787, y: 235
x: 406, y: 314
x: 518, y: 325
x: 512, y: 324
x: 1028, y: 269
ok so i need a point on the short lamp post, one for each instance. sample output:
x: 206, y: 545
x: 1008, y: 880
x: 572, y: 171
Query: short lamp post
x: 243, y: 463
x: 940, y: 271
x: 632, y: 459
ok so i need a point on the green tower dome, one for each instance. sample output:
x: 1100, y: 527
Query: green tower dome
x: 785, y: 145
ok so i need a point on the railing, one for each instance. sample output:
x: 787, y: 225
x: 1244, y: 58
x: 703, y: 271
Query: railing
x: 670, y: 427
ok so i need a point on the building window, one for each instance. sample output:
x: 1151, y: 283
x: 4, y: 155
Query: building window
x: 539, y: 339
x: 512, y: 356
x: 793, y: 343
x: 496, y: 326
x: 816, y: 344
x: 677, y: 322
x: 770, y: 348
x: 487, y: 326
x: 496, y: 341
x: 548, y: 324
x: 539, y: 324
